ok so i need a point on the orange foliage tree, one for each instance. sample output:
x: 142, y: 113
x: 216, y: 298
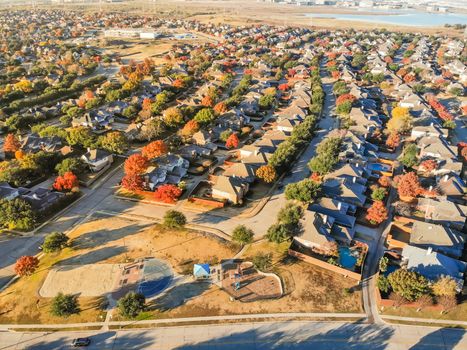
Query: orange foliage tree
x: 190, y: 128
x: 132, y: 182
x: 266, y: 173
x: 384, y: 181
x: 377, y: 213
x: 66, y: 182
x: 135, y: 164
x: 393, y: 140
x: 26, y: 265
x: 408, y: 185
x: 428, y: 165
x: 207, y: 101
x: 146, y: 104
x: 232, y: 141
x: 167, y: 193
x: 220, y: 108
x: 11, y: 144
x: 154, y: 149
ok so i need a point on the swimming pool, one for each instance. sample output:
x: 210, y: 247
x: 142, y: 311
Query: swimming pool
x: 347, y: 257
x: 379, y: 167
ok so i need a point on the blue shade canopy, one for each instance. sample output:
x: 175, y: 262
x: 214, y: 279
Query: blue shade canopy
x: 201, y: 270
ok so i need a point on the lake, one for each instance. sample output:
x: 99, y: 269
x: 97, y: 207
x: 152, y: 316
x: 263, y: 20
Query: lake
x: 399, y: 17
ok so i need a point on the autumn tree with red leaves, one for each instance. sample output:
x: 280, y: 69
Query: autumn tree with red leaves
x: 11, y: 144
x: 393, y: 141
x: 220, y: 108
x: 146, y: 106
x: 136, y: 164
x: 384, y: 181
x: 154, y: 149
x: 190, y: 128
x: 428, y: 165
x: 26, y: 265
x: 167, y: 193
x: 344, y: 98
x: 232, y: 141
x: 377, y: 213
x: 207, y: 101
x: 408, y: 185
x: 67, y: 182
x: 132, y: 182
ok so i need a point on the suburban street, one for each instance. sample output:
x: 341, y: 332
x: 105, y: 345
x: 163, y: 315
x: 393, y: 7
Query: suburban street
x: 246, y: 336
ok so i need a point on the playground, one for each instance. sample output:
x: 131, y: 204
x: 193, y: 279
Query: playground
x: 244, y: 283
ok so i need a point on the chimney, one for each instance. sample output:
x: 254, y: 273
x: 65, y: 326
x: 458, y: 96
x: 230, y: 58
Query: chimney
x: 445, y: 178
x: 430, y: 188
x: 429, y: 251
x: 354, y: 179
x: 356, y: 165
x: 339, y: 205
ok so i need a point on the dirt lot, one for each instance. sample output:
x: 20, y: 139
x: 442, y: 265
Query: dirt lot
x: 457, y: 313
x: 308, y: 289
x: 109, y: 240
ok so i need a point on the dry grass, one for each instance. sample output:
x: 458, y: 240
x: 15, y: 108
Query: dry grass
x: 459, y: 313
x: 106, y: 240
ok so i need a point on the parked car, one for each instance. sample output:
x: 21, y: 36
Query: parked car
x: 79, y: 342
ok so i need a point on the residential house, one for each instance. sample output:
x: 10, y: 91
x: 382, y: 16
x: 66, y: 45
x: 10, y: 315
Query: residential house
x: 33, y: 143
x: 433, y: 265
x: 245, y: 172
x: 232, y: 189
x: 443, y: 212
x: 97, y: 159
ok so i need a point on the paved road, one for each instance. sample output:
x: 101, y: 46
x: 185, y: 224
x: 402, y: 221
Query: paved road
x: 249, y: 336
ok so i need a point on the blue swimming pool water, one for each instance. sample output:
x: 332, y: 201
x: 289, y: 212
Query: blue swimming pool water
x: 347, y: 258
x: 379, y: 167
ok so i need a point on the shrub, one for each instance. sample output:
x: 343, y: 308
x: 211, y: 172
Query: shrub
x: 64, y: 305
x: 54, y: 241
x: 26, y: 265
x: 262, y: 261
x: 242, y: 234
x: 131, y: 304
x: 409, y: 284
x: 383, y: 284
x: 167, y: 193
x: 445, y: 285
x: 174, y: 219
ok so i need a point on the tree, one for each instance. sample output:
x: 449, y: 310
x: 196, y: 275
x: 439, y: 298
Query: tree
x: 80, y: 136
x: 154, y: 149
x: 16, y: 214
x: 445, y: 285
x: 173, y: 117
x: 131, y: 304
x: 344, y: 108
x: 64, y: 305
x: 190, y: 128
x: 278, y: 233
x: 383, y: 264
x: 67, y: 182
x: 408, y: 185
x: 447, y: 301
x: 393, y: 141
x: 401, y: 120
x: 74, y: 165
x: 428, y: 165
x: 409, y: 156
x: 262, y: 261
x: 174, y: 219
x: 232, y: 141
x: 305, y: 191
x: 220, y: 108
x: 409, y: 284
x: 205, y: 116
x: 26, y: 265
x: 266, y: 173
x: 114, y: 142
x: 136, y: 164
x: 384, y: 181
x: 383, y: 284
x: 377, y: 213
x: 207, y: 101
x: 54, y: 241
x: 290, y: 214
x: 155, y: 128
x: 167, y: 193
x: 378, y: 193
x: 242, y: 234
x: 132, y: 182
x: 11, y: 144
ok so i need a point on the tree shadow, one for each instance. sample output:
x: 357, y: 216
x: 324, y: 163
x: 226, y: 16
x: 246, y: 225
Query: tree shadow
x: 179, y: 295
x: 443, y: 338
x: 355, y: 336
x: 94, y: 256
x: 104, y: 236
